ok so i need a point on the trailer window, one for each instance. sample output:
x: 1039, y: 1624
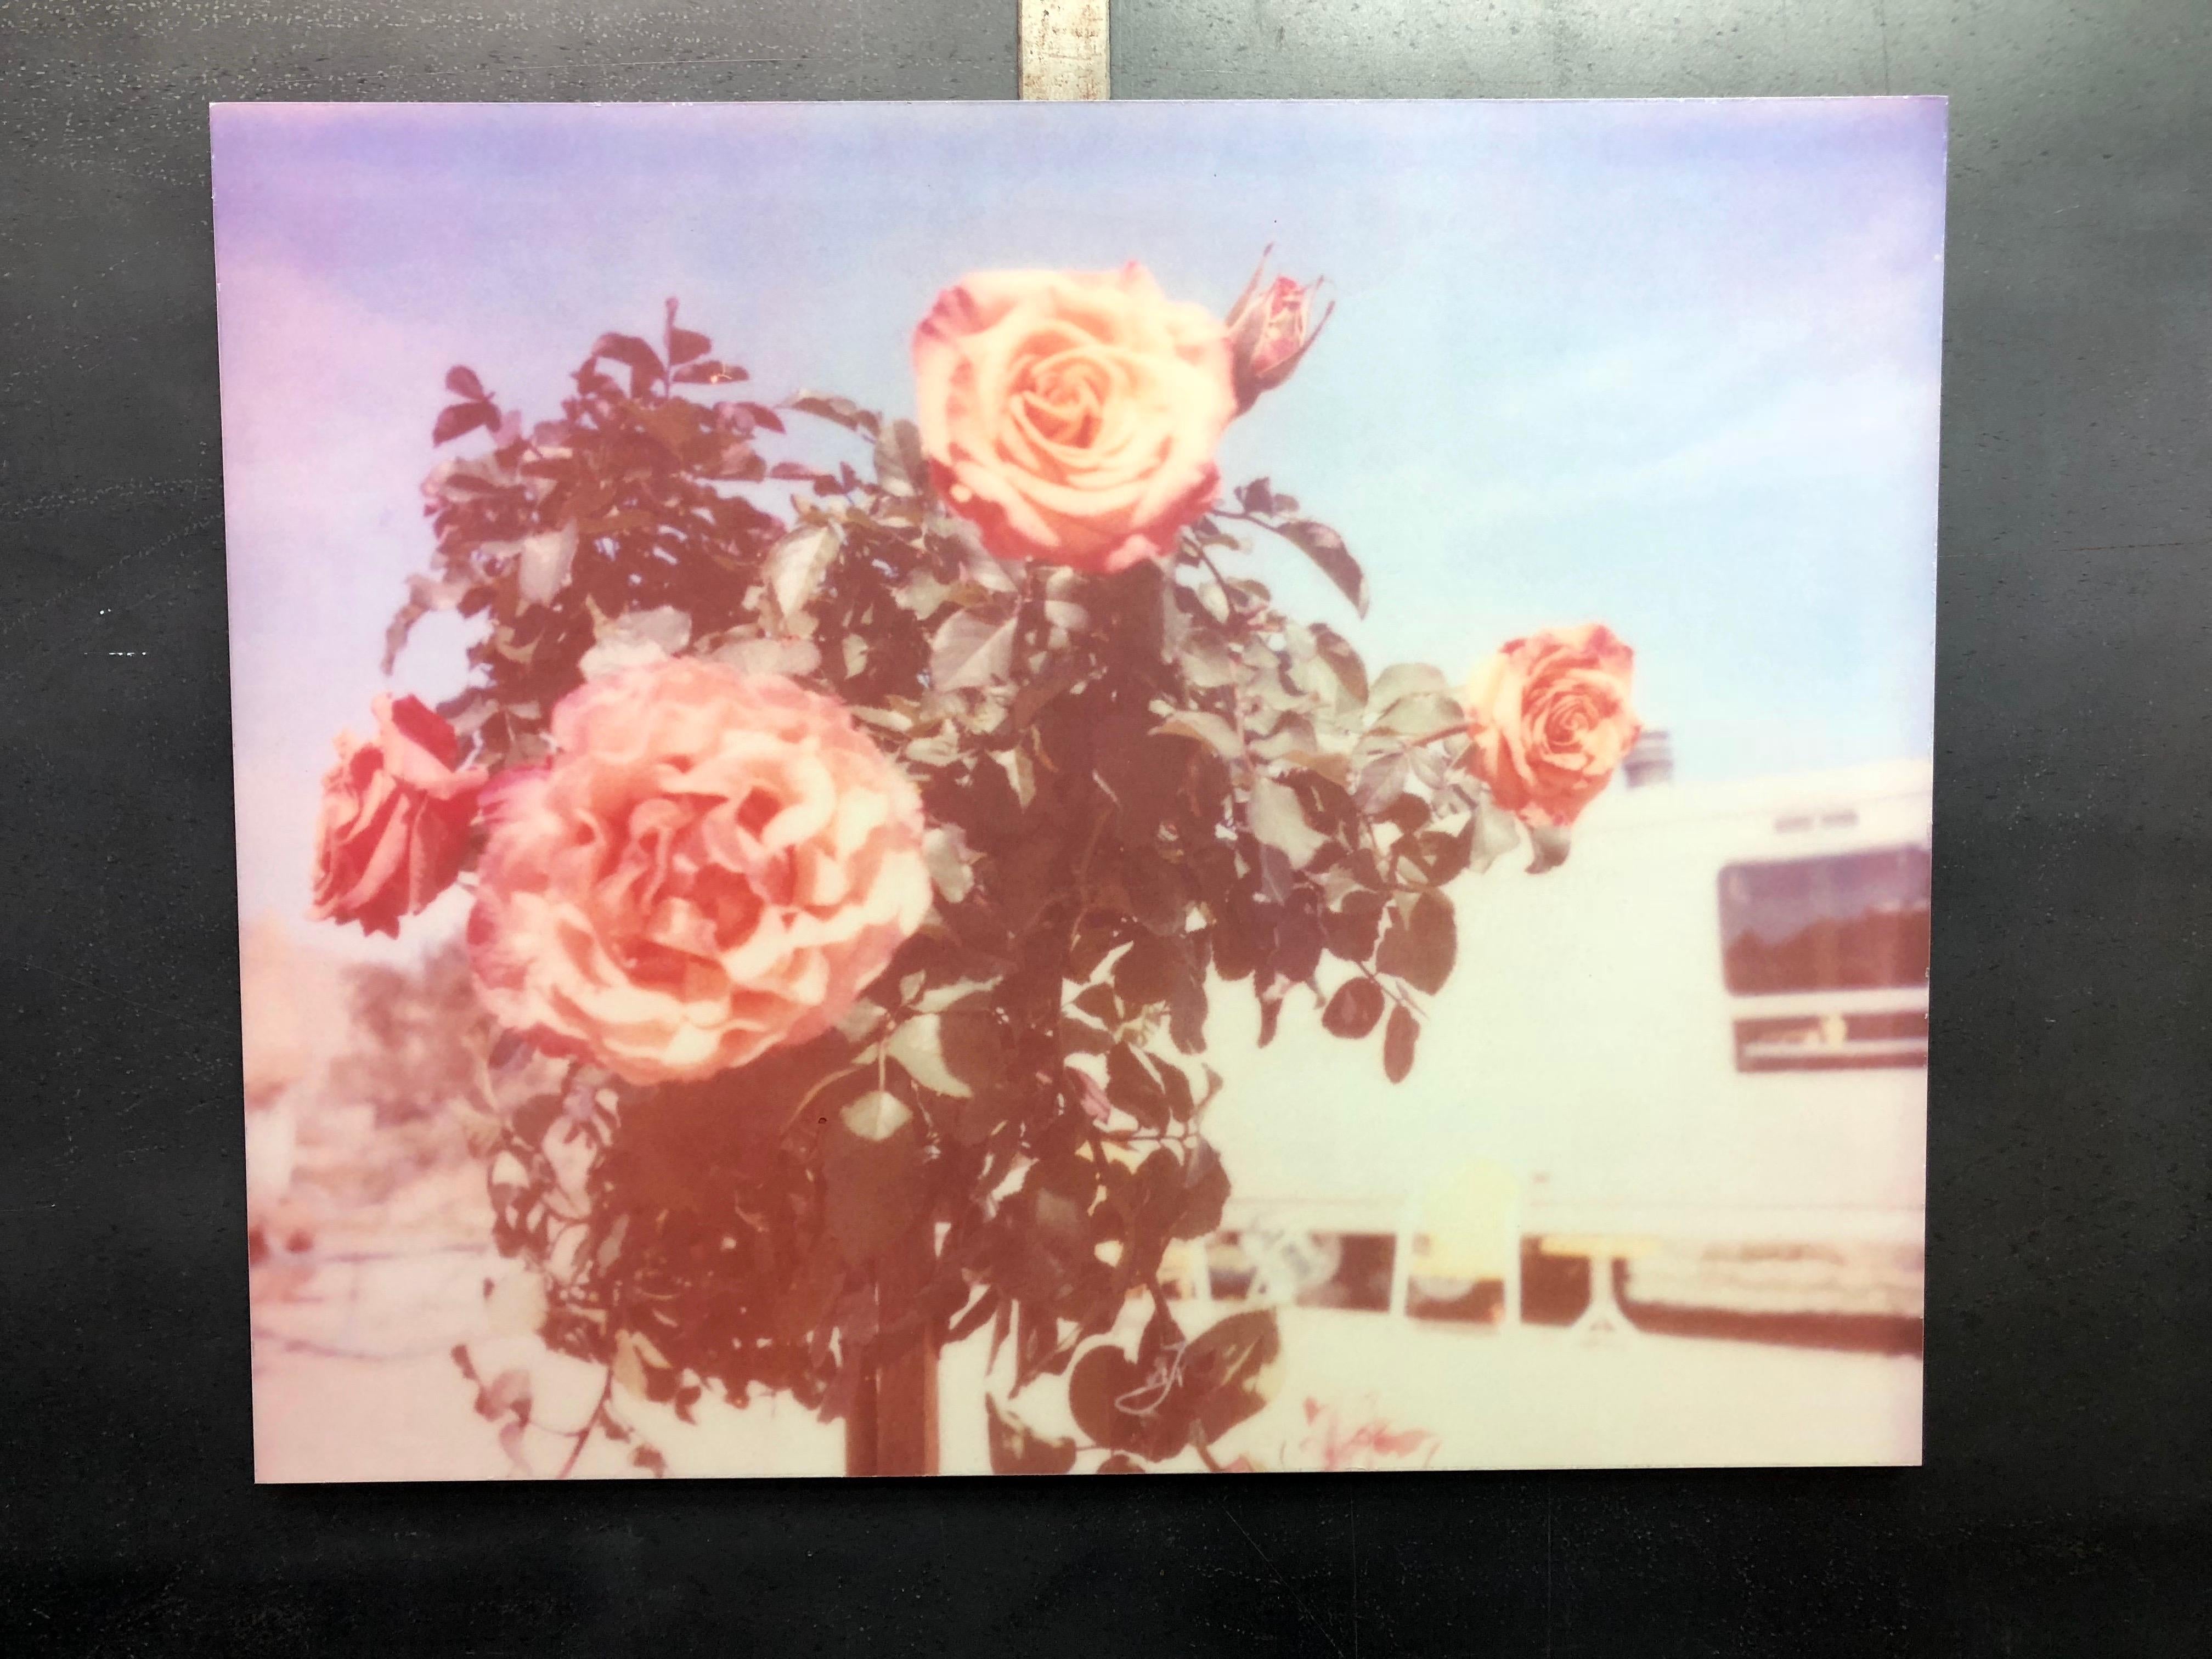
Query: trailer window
x: 1852, y: 921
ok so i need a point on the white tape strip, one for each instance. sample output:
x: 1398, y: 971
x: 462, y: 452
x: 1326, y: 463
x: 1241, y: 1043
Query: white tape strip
x: 1064, y: 51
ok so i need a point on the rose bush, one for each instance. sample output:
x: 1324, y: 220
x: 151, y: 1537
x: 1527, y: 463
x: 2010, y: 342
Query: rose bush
x: 395, y: 818
x: 1071, y: 416
x: 711, y: 864
x: 857, y: 883
x: 1549, y: 718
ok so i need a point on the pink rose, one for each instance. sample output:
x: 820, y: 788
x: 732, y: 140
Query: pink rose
x: 1341, y: 1441
x: 1550, y: 719
x: 1071, y: 416
x: 1270, y: 328
x: 711, y: 864
x: 395, y: 819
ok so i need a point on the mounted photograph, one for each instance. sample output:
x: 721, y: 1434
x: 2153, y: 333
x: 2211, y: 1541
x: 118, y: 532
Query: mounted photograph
x: 1151, y: 788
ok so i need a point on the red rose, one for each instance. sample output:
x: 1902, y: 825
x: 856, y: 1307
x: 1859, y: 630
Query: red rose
x: 395, y: 819
x: 1549, y: 718
x: 1270, y: 329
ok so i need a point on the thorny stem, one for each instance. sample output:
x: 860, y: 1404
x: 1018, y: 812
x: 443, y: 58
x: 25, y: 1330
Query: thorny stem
x: 1228, y: 594
x: 1396, y: 992
x: 1437, y: 737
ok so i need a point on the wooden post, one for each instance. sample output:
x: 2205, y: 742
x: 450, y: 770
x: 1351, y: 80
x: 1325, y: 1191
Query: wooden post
x: 891, y: 1428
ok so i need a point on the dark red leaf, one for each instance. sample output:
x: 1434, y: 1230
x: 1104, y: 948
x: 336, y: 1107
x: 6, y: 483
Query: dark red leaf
x: 640, y: 359
x: 684, y: 344
x: 1326, y: 548
x: 455, y: 419
x: 1352, y: 1012
x: 707, y: 372
x: 1421, y: 946
x: 463, y: 384
x: 1398, y: 1041
x: 1017, y: 1449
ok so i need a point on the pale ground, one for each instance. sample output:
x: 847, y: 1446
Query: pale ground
x: 353, y: 1383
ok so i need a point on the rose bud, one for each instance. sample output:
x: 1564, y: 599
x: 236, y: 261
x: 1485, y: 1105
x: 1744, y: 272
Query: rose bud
x: 395, y: 819
x: 1549, y: 719
x: 1270, y: 328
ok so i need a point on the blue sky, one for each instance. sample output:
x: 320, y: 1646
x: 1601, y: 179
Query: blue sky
x: 1671, y: 365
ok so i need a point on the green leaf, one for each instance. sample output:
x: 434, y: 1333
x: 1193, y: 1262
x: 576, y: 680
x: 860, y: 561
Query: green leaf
x: 1234, y: 1367
x: 1131, y: 1085
x: 1552, y: 842
x: 973, y: 649
x: 1326, y: 549
x: 1421, y: 944
x: 455, y: 419
x: 1496, y: 832
x: 1382, y: 781
x: 1351, y: 927
x: 1421, y: 715
x: 842, y: 411
x: 1016, y: 1448
x: 1065, y: 673
x: 1155, y: 890
x: 1352, y: 1012
x: 959, y: 1052
x: 685, y: 344
x: 772, y: 656
x: 640, y: 359
x: 919, y: 1046
x: 1207, y: 728
x: 877, y: 1115
x: 1406, y: 679
x: 794, y: 570
x: 1100, y: 1003
x: 951, y: 866
x: 1127, y: 1407
x: 900, y: 466
x: 1206, y: 1190
x: 425, y: 595
x: 1147, y: 972
x: 636, y: 638
x: 707, y: 372
x: 1279, y: 821
x: 542, y: 570
x: 1442, y: 855
x: 1398, y: 1041
x: 875, y: 1181
x: 1344, y: 662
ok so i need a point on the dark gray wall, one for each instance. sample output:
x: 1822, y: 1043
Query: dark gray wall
x: 2064, y: 1509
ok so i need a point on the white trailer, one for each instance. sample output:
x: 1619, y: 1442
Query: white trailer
x: 1707, y: 1029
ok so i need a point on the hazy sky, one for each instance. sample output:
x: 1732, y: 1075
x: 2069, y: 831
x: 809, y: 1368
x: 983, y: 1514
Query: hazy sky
x: 1671, y: 365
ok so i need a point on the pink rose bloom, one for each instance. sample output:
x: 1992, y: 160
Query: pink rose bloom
x: 1550, y: 719
x: 1270, y: 327
x: 711, y: 864
x: 395, y: 819
x: 1071, y: 416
